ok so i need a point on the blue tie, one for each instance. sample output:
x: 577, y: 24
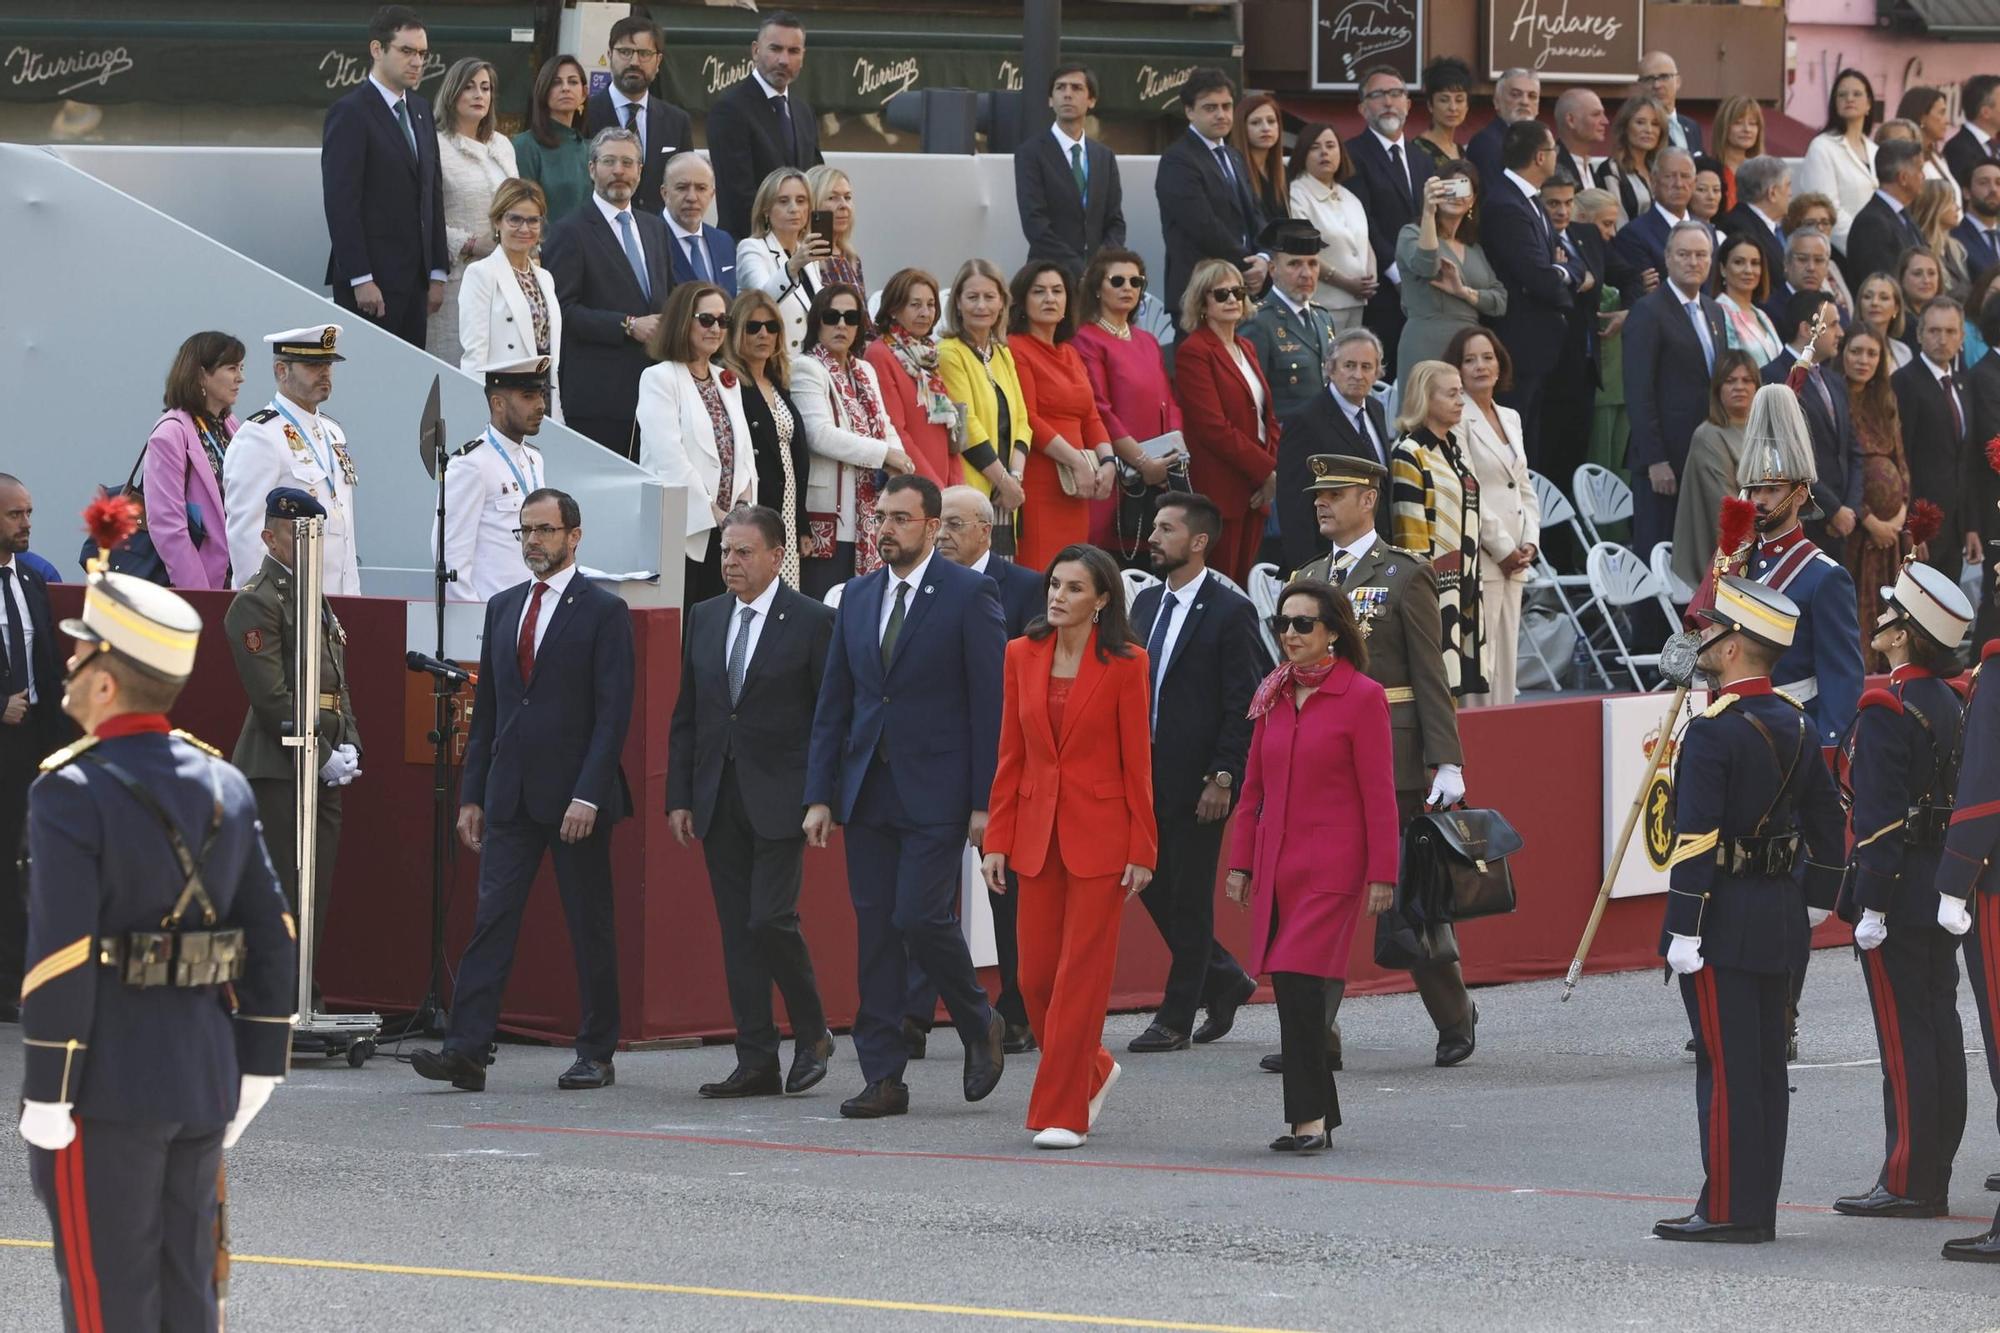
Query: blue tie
x: 698, y: 261
x: 632, y: 254
x: 1156, y: 648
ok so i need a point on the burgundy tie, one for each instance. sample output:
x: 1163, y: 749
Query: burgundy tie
x: 1957, y: 412
x: 524, y: 651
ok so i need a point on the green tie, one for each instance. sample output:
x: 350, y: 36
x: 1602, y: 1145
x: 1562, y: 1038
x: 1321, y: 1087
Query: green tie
x: 1076, y: 170
x: 403, y: 120
x: 895, y: 626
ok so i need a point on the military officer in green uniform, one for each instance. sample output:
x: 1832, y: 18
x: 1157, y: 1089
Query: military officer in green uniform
x: 262, y: 628
x: 1291, y: 334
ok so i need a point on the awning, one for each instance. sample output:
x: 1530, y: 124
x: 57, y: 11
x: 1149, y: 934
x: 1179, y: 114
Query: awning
x: 1945, y: 20
x: 239, y: 51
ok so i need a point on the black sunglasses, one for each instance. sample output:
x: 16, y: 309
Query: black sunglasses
x: 853, y: 317
x: 709, y: 321
x: 763, y: 326
x: 1296, y: 624
x: 1136, y: 281
x: 1220, y: 294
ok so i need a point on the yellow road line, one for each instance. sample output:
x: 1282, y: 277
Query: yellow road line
x: 725, y: 1293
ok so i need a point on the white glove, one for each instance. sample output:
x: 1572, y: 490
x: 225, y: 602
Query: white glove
x: 1815, y: 916
x: 1448, y: 787
x: 256, y: 1090
x: 1684, y: 954
x: 342, y: 766
x: 1952, y: 914
x: 47, y: 1125
x: 1874, y: 928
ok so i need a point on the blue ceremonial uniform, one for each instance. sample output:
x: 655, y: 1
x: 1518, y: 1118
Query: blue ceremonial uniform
x: 1971, y: 858
x: 1822, y: 669
x: 1749, y: 778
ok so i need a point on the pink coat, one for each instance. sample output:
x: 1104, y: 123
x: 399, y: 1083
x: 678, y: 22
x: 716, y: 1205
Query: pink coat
x: 1317, y: 823
x: 177, y: 472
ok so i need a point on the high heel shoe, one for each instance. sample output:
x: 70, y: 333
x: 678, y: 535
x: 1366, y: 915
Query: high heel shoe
x: 1303, y: 1143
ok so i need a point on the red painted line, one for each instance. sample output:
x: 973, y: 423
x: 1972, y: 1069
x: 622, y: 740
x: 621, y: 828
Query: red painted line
x: 1074, y: 1162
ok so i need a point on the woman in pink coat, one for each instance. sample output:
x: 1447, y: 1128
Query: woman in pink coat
x: 183, y: 462
x: 1319, y: 797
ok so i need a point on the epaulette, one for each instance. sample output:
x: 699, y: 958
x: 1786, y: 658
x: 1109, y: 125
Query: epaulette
x: 330, y: 421
x: 1404, y: 550
x: 253, y: 582
x: 1720, y: 706
x: 468, y: 446
x: 1880, y: 698
x: 1790, y: 700
x: 197, y: 742
x: 262, y: 415
x: 67, y: 754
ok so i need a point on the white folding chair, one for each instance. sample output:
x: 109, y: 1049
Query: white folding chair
x: 1619, y: 578
x: 1555, y: 508
x: 832, y: 597
x: 1265, y: 585
x: 1602, y: 497
x: 1136, y: 582
x: 1674, y: 593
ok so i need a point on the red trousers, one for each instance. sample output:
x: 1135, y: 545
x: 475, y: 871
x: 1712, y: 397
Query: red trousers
x: 1068, y: 932
x: 1235, y: 550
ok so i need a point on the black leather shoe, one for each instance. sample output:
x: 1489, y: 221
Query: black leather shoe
x: 1274, y: 1063
x: 1222, y: 1014
x: 1696, y: 1227
x: 1020, y: 1040
x: 1993, y: 1181
x: 585, y: 1074
x: 1303, y: 1142
x: 984, y: 1060
x: 885, y: 1097
x: 1156, y: 1039
x: 1980, y: 1249
x: 1455, y: 1047
x: 1878, y: 1202
x: 743, y: 1083
x: 809, y: 1061
x: 449, y: 1066
x: 915, y: 1038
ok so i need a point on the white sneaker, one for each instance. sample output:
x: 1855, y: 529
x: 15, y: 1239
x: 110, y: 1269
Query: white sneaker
x: 1097, y: 1102
x: 1059, y: 1138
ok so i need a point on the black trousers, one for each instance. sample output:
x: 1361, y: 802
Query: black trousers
x: 1384, y: 314
x: 922, y: 1006
x: 507, y: 870
x: 1181, y: 901
x: 1309, y: 1090
x: 756, y: 885
x: 19, y: 762
x: 132, y: 1207
x: 1982, y: 969
x: 405, y: 313
x: 1742, y: 1096
x: 1569, y: 410
x: 618, y: 434
x: 281, y: 840
x: 1913, y: 988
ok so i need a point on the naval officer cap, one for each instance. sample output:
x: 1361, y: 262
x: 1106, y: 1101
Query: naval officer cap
x: 528, y: 373
x: 1930, y: 602
x: 1747, y: 607
x: 1333, y: 472
x: 138, y: 621
x: 1290, y: 236
x: 312, y: 343
x: 291, y: 502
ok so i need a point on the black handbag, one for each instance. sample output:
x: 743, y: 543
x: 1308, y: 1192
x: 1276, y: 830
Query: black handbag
x: 1136, y: 502
x: 1404, y: 940
x: 1455, y: 864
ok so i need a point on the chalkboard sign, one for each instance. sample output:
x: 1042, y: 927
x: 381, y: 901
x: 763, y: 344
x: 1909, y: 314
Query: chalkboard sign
x: 1569, y: 41
x: 1350, y: 36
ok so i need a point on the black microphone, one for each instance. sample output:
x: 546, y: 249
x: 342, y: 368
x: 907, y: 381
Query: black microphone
x: 417, y: 661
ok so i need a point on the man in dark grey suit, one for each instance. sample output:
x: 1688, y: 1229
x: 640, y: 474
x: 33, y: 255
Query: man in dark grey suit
x: 762, y: 122
x: 1389, y: 176
x: 1345, y: 418
x: 751, y: 664
x: 1066, y: 184
x: 1934, y: 403
x: 1207, y: 210
x: 627, y: 103
x: 1671, y: 341
x: 1883, y: 228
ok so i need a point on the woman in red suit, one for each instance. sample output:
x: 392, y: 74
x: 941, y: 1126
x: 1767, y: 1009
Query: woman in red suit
x: 1226, y: 414
x: 1075, y: 769
x: 1320, y: 826
x: 1069, y: 459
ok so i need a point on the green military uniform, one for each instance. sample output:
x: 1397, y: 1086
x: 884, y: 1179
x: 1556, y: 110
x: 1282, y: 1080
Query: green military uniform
x: 1292, y: 348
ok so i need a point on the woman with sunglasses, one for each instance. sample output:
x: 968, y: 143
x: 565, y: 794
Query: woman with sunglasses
x: 1316, y: 844
x: 507, y: 307
x: 1128, y: 373
x: 850, y: 435
x: 1069, y: 461
x: 1448, y: 283
x: 1232, y: 428
x: 691, y: 427
x: 905, y: 357
x: 755, y: 350
x: 1434, y: 511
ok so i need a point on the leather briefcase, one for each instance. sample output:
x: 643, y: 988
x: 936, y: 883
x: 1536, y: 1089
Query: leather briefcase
x: 1455, y: 861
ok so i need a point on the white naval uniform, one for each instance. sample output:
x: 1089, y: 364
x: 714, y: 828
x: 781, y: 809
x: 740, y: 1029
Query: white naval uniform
x: 482, y: 507
x: 314, y: 458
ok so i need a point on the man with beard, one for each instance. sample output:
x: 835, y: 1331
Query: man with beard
x: 761, y: 122
x: 490, y: 479
x: 627, y: 103
x: 1979, y: 230
x: 1201, y: 650
x: 1389, y: 176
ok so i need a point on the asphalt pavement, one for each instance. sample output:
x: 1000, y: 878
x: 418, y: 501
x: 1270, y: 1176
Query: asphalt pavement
x: 1514, y: 1192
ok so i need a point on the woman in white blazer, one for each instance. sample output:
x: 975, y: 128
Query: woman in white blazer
x: 1510, y: 519
x: 849, y: 437
x: 474, y: 161
x: 692, y: 432
x: 507, y: 310
x: 780, y: 257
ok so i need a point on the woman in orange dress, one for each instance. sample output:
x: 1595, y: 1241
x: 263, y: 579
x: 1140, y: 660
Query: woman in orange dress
x: 1069, y: 458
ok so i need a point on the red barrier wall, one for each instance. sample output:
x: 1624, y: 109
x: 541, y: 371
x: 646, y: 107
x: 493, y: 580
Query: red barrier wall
x: 1540, y: 763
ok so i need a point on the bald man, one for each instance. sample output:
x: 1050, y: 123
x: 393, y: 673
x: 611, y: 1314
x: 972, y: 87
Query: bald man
x: 1581, y: 125
x: 701, y: 253
x: 1660, y: 76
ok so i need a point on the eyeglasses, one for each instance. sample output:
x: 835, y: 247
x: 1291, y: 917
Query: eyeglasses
x: 520, y: 223
x: 853, y: 317
x: 1224, y: 295
x: 543, y: 530
x: 639, y: 53
x: 709, y: 321
x: 621, y: 160
x: 763, y: 326
x: 411, y: 52
x: 1137, y: 281
x: 879, y: 520
x: 1668, y: 77
x: 1296, y: 624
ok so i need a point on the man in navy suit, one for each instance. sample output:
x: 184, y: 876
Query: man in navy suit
x: 627, y: 103
x: 1979, y: 103
x: 1389, y: 176
x: 1535, y: 263
x: 1066, y: 183
x: 1345, y: 418
x: 761, y: 123
x: 543, y: 780
x: 1934, y: 404
x: 1642, y: 242
x: 1808, y: 268
x: 701, y: 253
x: 1763, y: 194
x: 1979, y: 230
x: 382, y: 188
x: 1516, y: 97
x: 1207, y: 210
x: 1671, y: 341
x: 904, y: 744
x: 613, y: 268
x: 1836, y: 448
x: 1883, y: 229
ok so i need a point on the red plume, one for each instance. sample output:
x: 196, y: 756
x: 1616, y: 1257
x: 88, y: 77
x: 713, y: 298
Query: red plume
x: 1734, y: 525
x: 1993, y: 453
x: 1926, y: 521
x: 110, y: 519
x: 1795, y: 378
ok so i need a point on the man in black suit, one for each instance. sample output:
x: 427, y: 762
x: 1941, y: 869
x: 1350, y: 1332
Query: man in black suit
x: 1808, y: 268
x: 1979, y: 230
x: 1934, y: 403
x: 381, y: 186
x: 1389, y: 176
x: 1884, y: 229
x: 627, y: 103
x: 1065, y: 183
x: 32, y: 722
x: 1671, y: 341
x: 1535, y: 264
x: 1642, y: 242
x: 613, y: 267
x: 1569, y: 392
x: 1980, y: 514
x: 1836, y: 448
x: 1660, y: 76
x: 1201, y: 649
x: 1207, y: 210
x: 1516, y: 97
x: 1345, y: 418
x: 759, y: 124
x: 1581, y: 125
x: 751, y: 664
x: 1763, y: 193
x: 543, y: 780
x: 1979, y: 103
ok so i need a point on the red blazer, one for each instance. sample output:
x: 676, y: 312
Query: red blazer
x: 927, y: 442
x: 1226, y: 460
x: 1097, y: 777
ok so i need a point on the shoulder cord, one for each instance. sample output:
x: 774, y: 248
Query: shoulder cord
x: 189, y: 864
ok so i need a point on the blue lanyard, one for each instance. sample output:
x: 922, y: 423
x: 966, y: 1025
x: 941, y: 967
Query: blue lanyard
x: 519, y: 480
x: 332, y: 487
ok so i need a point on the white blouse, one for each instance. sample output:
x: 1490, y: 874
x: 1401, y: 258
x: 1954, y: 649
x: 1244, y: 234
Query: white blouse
x: 1249, y: 378
x: 1834, y: 169
x: 1343, y: 227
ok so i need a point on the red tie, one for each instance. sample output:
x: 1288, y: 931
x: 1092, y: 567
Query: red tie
x: 524, y: 651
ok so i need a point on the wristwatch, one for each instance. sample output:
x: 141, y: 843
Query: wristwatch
x: 1222, y: 779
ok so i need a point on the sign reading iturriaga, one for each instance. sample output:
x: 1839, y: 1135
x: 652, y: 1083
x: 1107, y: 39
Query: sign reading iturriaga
x: 1350, y: 36
x: 1576, y: 41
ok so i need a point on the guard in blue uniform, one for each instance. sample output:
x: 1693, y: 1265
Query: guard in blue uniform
x: 1971, y: 862
x: 1901, y: 753
x: 158, y: 999
x: 1755, y: 806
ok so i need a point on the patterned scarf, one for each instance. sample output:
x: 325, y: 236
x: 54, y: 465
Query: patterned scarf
x: 1288, y: 676
x: 861, y: 410
x: 1434, y: 511
x: 919, y: 359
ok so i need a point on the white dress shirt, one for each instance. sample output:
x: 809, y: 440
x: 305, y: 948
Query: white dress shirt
x: 24, y: 624
x: 761, y: 605
x: 551, y: 599
x: 484, y: 489
x: 1065, y: 143
x: 1175, y: 606
x: 1357, y: 416
x: 1362, y: 545
x: 619, y: 101
x: 915, y: 580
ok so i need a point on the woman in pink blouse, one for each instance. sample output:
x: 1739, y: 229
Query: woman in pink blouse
x: 183, y: 462
x: 1135, y: 399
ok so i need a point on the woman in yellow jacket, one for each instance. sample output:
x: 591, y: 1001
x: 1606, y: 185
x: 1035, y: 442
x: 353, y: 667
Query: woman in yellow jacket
x: 978, y: 372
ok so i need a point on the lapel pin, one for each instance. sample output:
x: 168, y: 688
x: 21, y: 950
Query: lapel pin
x: 927, y: 590
x: 1197, y: 606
